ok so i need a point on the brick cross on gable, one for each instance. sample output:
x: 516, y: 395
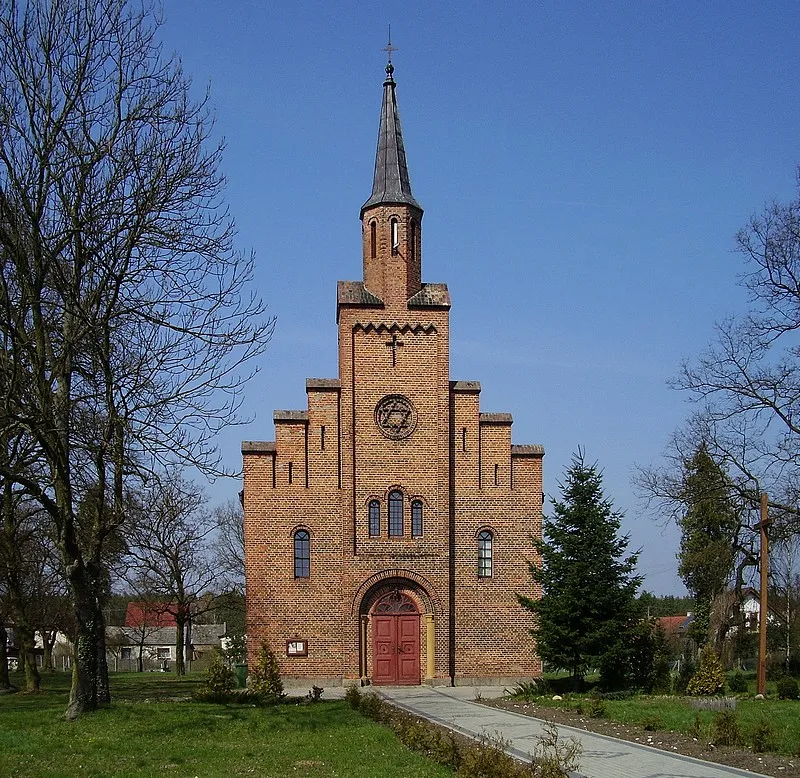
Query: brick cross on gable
x: 393, y: 344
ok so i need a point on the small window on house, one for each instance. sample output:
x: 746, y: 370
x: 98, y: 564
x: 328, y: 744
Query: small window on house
x: 374, y: 518
x: 302, y: 554
x: 412, y: 240
x: 416, y: 519
x: 395, y: 236
x: 322, y: 437
x: 395, y: 514
x: 497, y: 475
x: 162, y: 653
x: 126, y: 653
x: 373, y: 239
x: 291, y: 470
x: 463, y: 438
x: 485, y: 554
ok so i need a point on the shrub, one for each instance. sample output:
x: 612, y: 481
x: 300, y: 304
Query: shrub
x: 553, y: 757
x: 353, y: 697
x: 265, y: 679
x: 725, y: 729
x: 372, y: 706
x: 762, y: 736
x: 529, y: 690
x: 594, y: 708
x: 652, y: 724
x: 737, y: 682
x: 487, y: 759
x: 219, y: 682
x: 696, y: 728
x: 315, y: 693
x: 709, y: 679
x: 787, y: 688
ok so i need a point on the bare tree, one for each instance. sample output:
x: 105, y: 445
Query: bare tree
x: 170, y: 554
x: 229, y: 521
x: 747, y: 382
x: 124, y: 312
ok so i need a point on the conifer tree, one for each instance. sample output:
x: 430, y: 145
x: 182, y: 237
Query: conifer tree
x: 588, y: 606
x: 709, y: 530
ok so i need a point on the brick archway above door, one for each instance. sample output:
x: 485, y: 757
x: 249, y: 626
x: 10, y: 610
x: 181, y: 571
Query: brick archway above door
x: 395, y: 641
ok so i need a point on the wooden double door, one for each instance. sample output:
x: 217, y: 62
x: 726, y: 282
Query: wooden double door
x: 395, y: 641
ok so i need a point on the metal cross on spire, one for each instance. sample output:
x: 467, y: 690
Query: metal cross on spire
x: 389, y: 48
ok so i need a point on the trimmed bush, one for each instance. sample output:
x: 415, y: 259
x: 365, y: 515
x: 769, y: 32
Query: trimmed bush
x: 762, y: 736
x: 787, y: 688
x: 353, y: 697
x: 725, y: 729
x: 709, y: 680
x: 737, y: 682
x: 265, y: 679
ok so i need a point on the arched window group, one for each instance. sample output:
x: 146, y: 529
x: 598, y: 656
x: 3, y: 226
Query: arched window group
x: 396, y: 523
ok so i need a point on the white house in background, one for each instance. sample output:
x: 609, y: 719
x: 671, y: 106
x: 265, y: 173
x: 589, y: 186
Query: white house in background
x: 157, y: 645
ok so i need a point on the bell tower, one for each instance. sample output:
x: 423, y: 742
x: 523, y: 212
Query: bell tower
x: 391, y: 219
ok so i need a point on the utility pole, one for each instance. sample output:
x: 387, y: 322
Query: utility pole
x: 762, y: 607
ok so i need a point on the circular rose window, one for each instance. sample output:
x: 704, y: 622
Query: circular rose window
x: 395, y: 416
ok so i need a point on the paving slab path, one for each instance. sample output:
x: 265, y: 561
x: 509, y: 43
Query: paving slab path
x: 602, y: 757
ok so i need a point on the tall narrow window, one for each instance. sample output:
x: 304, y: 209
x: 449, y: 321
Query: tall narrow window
x: 485, y: 554
x: 373, y: 239
x: 322, y: 437
x: 291, y: 471
x: 395, y: 236
x: 412, y: 240
x: 374, y: 518
x: 497, y: 475
x: 416, y: 519
x: 463, y: 438
x: 395, y: 514
x: 302, y: 554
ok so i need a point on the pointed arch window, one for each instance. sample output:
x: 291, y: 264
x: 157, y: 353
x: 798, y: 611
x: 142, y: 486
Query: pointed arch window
x: 302, y: 554
x: 374, y: 518
x: 485, y: 542
x: 373, y: 239
x: 394, y: 234
x: 416, y: 519
x: 395, y: 514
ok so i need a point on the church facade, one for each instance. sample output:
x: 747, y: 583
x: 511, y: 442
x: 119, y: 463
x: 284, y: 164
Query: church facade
x: 388, y: 526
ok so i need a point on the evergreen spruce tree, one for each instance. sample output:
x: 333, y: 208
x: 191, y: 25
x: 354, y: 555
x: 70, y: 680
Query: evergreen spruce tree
x: 588, y: 614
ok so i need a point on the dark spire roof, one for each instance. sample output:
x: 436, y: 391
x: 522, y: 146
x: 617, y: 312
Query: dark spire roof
x: 391, y: 183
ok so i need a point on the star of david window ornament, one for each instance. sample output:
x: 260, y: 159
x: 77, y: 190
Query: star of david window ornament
x: 395, y: 416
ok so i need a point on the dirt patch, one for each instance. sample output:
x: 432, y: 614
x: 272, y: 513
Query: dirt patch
x: 675, y: 742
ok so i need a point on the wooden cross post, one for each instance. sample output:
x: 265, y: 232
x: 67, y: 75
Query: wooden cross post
x: 762, y: 606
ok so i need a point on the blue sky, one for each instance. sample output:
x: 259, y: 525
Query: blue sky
x: 583, y: 168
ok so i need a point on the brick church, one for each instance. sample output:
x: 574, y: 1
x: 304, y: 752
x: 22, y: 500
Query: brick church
x: 388, y: 526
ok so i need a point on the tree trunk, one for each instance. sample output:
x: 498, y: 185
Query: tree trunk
x: 180, y: 632
x: 90, y: 673
x: 5, y: 680
x: 27, y: 657
x: 48, y: 641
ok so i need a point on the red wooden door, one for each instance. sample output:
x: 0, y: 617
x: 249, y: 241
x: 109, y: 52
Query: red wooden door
x: 395, y: 641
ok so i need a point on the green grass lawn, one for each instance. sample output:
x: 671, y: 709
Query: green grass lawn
x: 147, y: 732
x: 677, y: 715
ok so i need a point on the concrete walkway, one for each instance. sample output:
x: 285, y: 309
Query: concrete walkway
x: 603, y: 757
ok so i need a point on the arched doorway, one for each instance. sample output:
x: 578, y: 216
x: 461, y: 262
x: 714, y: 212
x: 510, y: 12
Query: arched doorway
x: 395, y: 640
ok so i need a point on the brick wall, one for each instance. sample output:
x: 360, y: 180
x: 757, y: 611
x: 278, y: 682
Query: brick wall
x: 329, y: 461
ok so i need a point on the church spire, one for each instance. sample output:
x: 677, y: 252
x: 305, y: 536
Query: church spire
x: 391, y: 184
